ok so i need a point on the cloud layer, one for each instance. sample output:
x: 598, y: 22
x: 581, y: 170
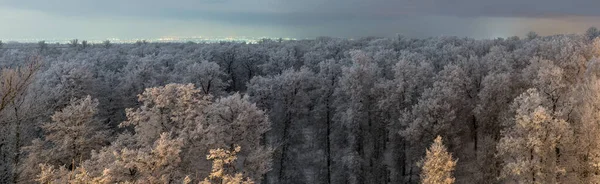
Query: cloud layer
x: 326, y: 8
x: 304, y: 18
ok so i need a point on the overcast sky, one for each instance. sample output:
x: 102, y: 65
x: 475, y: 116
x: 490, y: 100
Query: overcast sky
x: 129, y: 19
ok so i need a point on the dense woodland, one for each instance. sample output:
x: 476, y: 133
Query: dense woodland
x: 327, y: 110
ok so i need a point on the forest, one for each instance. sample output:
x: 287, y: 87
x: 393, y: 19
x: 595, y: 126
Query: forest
x: 324, y: 110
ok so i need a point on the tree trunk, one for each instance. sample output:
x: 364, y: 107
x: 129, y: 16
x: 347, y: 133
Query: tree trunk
x: 17, y: 148
x: 328, y: 121
x: 474, y: 134
x: 283, y: 154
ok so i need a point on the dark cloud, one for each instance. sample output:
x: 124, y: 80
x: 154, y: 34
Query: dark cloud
x: 307, y: 18
x: 293, y: 9
x: 518, y: 8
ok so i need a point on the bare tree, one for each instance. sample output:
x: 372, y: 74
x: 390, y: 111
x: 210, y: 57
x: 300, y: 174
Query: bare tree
x: 14, y: 82
x: 13, y: 85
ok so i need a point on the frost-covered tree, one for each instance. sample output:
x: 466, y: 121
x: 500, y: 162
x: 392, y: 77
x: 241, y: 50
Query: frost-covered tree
x: 366, y: 134
x: 443, y: 105
x: 70, y: 138
x: 75, y: 130
x: 14, y: 86
x: 225, y: 54
x: 65, y: 80
x: 322, y: 94
x: 592, y: 33
x: 222, y: 169
x: 234, y: 120
x: 290, y: 97
x: 52, y: 174
x: 586, y: 127
x: 188, y: 114
x: 106, y: 44
x: 250, y: 58
x: 14, y: 82
x: 533, y: 145
x: 42, y: 46
x: 174, y: 108
x: 152, y: 164
x: 206, y: 75
x: 74, y: 43
x: 532, y: 35
x: 158, y: 164
x: 283, y: 58
x: 438, y: 165
x: 412, y: 75
x: 332, y: 137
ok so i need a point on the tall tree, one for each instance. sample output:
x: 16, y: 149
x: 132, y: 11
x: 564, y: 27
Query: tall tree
x: 290, y: 98
x: 357, y: 113
x: 534, y: 142
x: 412, y: 75
x: 328, y: 76
x: 14, y: 83
x: 586, y: 127
x: 234, y: 120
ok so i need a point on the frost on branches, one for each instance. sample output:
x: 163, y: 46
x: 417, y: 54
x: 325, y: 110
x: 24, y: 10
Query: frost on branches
x: 222, y: 168
x: 174, y: 128
x: 71, y: 136
x: 535, y: 143
x: 438, y: 164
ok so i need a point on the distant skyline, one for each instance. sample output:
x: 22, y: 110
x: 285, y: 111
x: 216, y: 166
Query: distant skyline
x: 154, y: 40
x: 131, y: 19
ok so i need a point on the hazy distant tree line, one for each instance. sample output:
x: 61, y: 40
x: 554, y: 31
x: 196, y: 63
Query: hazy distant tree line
x: 327, y: 110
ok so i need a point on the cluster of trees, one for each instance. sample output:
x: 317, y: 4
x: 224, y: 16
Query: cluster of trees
x: 326, y: 110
